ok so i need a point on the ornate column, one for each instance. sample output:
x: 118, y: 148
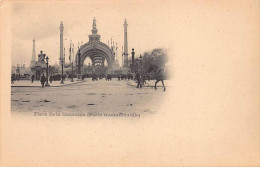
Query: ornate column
x: 125, y: 45
x: 61, y: 41
x: 79, y: 66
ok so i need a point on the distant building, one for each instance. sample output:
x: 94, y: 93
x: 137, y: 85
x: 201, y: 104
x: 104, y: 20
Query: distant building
x: 13, y: 69
x: 116, y: 64
x: 17, y: 69
x: 21, y: 69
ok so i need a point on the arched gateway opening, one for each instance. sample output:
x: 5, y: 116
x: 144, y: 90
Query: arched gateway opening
x: 98, y: 52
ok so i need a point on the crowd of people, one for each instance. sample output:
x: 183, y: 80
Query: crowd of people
x: 140, y: 78
x: 17, y: 77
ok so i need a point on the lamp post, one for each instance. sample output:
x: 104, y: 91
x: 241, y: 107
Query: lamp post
x: 137, y: 65
x: 133, y: 60
x: 47, y: 71
x: 72, y: 71
x: 62, y: 60
x: 141, y: 64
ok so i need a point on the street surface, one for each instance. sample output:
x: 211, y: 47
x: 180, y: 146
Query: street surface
x: 102, y: 97
x: 27, y: 83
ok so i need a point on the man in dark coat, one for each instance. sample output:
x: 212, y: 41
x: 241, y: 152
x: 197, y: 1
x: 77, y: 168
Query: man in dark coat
x: 32, y: 78
x: 51, y: 78
x: 138, y: 78
x: 12, y: 78
x: 128, y: 76
x: 43, y: 79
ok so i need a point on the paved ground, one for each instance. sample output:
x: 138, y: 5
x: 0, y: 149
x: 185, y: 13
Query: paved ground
x: 88, y: 97
x: 27, y: 83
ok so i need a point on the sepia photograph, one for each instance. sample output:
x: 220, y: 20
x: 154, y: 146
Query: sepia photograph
x: 65, y: 64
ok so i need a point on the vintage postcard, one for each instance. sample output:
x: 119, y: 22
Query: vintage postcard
x: 130, y: 83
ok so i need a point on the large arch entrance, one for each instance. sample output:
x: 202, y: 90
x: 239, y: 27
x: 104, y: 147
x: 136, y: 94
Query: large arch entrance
x: 98, y: 66
x: 97, y: 51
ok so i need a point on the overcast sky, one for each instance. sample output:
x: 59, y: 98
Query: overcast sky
x: 147, y: 26
x: 194, y: 32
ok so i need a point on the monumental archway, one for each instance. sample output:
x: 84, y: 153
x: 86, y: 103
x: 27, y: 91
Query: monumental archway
x: 96, y: 50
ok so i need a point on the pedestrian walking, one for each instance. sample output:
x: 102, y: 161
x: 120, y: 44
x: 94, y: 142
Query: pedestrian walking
x: 32, y: 78
x: 12, y: 78
x: 51, y: 78
x: 43, y: 79
x: 138, y: 78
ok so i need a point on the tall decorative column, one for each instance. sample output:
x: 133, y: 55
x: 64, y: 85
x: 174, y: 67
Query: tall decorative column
x: 125, y: 45
x: 61, y: 41
x: 33, y: 60
x: 79, y: 66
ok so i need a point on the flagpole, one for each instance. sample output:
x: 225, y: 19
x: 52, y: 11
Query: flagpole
x: 72, y: 61
x: 70, y: 52
x: 71, y: 64
x: 122, y: 57
x: 116, y: 51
